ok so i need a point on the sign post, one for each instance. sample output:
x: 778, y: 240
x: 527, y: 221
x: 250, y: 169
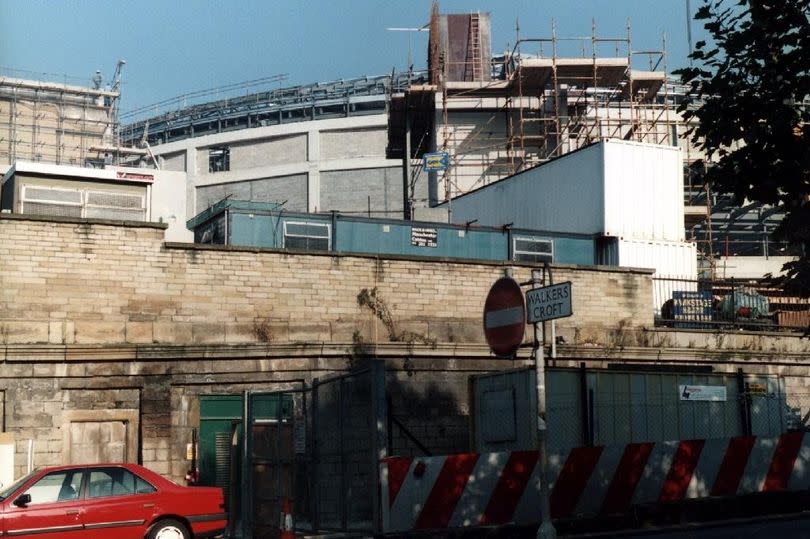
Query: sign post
x: 544, y: 303
x: 505, y: 318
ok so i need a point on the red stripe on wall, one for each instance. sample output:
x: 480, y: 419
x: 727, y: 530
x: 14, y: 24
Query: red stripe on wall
x: 510, y: 487
x: 733, y: 466
x: 572, y: 480
x: 784, y: 457
x: 397, y: 470
x: 680, y: 473
x: 623, y: 485
x: 447, y: 490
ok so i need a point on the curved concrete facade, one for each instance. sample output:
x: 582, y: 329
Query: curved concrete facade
x: 321, y: 165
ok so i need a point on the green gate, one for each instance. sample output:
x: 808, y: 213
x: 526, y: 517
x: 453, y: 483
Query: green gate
x: 256, y: 476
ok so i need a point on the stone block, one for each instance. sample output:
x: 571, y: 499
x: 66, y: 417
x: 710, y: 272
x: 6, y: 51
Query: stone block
x: 172, y: 333
x: 24, y: 331
x: 207, y: 333
x: 238, y: 333
x: 56, y: 332
x: 139, y: 332
x: 98, y: 332
x: 303, y: 331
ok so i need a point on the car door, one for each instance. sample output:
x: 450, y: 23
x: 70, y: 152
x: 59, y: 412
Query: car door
x: 118, y: 504
x: 54, y: 511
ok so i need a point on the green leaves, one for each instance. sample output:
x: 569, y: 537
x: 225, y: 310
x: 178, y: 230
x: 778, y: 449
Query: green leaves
x: 751, y: 96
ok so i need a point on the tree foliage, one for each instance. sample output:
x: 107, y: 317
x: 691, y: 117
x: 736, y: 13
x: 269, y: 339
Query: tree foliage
x: 750, y: 92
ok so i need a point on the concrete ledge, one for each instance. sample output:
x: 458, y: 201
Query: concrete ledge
x: 82, y: 221
x: 409, y: 258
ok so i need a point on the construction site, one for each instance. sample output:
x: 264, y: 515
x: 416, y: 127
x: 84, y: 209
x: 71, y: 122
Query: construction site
x: 344, y: 145
x: 59, y: 123
x: 265, y: 289
x: 498, y: 114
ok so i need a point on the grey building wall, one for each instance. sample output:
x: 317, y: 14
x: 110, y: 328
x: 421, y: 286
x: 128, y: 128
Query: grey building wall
x: 345, y: 143
x: 349, y: 191
x: 173, y: 161
x: 291, y: 188
x: 328, y: 156
x: 268, y: 152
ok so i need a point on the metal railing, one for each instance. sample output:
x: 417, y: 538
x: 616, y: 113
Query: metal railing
x: 730, y: 303
x: 179, y: 118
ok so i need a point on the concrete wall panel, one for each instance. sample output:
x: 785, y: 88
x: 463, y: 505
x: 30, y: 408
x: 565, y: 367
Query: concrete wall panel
x: 268, y: 152
x: 173, y: 161
x: 348, y: 143
x: 292, y: 188
x: 348, y: 191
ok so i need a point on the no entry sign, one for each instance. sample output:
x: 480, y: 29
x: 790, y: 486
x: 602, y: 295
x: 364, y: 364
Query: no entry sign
x: 504, y: 317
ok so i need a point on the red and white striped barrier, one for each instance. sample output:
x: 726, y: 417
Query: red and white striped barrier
x: 473, y: 489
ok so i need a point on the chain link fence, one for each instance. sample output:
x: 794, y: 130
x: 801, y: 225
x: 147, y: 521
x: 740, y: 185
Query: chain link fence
x: 599, y: 407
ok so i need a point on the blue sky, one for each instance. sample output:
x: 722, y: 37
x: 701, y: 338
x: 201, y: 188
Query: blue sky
x: 173, y: 47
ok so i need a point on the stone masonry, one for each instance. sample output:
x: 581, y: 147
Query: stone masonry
x: 105, y: 320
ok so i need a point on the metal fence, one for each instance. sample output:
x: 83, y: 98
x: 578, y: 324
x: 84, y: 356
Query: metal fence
x: 604, y: 407
x: 708, y: 304
x: 348, y: 426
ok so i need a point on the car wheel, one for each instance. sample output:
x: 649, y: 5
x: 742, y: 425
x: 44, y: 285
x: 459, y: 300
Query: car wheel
x: 168, y: 529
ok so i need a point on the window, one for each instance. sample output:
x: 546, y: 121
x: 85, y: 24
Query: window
x: 528, y: 249
x: 50, y: 201
x: 56, y: 487
x: 303, y: 235
x: 57, y: 202
x: 219, y: 159
x: 114, y: 205
x: 115, y: 482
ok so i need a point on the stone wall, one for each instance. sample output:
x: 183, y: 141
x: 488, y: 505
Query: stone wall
x: 104, y: 321
x: 106, y: 317
x: 96, y: 282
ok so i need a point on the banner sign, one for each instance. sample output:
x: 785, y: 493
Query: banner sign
x: 702, y: 393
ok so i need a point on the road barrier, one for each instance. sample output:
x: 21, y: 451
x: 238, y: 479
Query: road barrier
x: 473, y: 489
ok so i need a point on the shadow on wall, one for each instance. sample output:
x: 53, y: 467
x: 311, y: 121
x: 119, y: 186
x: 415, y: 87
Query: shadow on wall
x: 427, y: 416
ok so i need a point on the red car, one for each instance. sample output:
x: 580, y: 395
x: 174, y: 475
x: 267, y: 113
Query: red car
x: 104, y: 501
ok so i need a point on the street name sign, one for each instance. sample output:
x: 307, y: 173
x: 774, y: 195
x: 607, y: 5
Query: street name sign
x: 548, y: 303
x: 504, y: 317
x: 437, y: 161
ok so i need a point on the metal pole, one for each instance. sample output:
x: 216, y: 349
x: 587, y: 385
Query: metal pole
x: 406, y: 168
x: 315, y: 494
x: 247, y: 468
x: 379, y: 437
x: 546, y: 529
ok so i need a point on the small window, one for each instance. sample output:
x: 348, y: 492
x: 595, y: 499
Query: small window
x: 56, y: 487
x: 528, y: 249
x: 219, y: 159
x: 116, y: 482
x: 303, y: 235
x: 55, y: 202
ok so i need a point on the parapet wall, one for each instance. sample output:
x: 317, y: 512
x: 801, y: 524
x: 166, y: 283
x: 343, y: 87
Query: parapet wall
x: 91, y: 282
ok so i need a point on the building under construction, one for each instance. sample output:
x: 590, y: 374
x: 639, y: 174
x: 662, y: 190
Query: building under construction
x: 319, y: 146
x: 498, y: 115
x: 56, y: 123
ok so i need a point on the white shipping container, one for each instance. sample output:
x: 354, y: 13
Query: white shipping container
x: 643, y: 191
x: 671, y: 259
x: 617, y: 188
x: 675, y: 265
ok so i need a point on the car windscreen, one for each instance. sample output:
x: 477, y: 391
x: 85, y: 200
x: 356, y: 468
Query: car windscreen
x: 5, y: 492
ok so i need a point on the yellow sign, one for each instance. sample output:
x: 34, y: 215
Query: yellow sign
x: 756, y: 388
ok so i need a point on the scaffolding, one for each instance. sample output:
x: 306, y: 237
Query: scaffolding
x: 56, y: 123
x: 547, y: 96
x: 526, y: 108
x: 562, y: 103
